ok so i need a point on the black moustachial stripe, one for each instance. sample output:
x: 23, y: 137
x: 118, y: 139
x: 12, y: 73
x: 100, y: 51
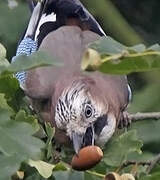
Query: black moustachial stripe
x: 98, y: 126
x: 100, y: 123
x: 87, y: 140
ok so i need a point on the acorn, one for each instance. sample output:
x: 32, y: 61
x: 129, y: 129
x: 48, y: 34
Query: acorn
x: 127, y: 176
x: 87, y: 158
x: 112, y: 176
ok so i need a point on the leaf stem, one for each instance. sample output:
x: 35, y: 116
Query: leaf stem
x: 112, y: 57
x: 126, y: 54
x: 143, y: 54
x: 96, y: 174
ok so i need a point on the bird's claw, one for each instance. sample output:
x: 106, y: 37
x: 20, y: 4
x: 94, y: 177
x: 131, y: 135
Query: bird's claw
x: 124, y: 121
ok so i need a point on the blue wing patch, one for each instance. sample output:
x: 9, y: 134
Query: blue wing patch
x: 26, y: 47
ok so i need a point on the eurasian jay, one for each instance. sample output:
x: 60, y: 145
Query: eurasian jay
x: 84, y: 107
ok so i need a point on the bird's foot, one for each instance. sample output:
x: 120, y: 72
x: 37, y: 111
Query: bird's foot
x: 124, y: 121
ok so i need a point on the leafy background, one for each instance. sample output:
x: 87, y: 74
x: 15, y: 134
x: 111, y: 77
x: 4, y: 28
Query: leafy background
x: 129, y: 22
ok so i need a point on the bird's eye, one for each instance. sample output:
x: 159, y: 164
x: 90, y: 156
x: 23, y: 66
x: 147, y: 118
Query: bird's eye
x: 88, y: 111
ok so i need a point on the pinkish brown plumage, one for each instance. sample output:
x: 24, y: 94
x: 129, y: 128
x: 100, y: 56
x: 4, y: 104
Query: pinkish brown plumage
x: 84, y: 107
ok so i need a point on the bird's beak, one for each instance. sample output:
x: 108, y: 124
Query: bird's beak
x: 80, y: 140
x: 77, y: 141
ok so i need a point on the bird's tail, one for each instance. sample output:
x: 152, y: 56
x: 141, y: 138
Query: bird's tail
x: 49, y: 15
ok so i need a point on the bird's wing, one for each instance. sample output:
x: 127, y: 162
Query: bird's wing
x: 49, y: 15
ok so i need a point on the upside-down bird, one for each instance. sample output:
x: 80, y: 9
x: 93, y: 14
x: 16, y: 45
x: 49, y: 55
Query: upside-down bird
x: 85, y: 108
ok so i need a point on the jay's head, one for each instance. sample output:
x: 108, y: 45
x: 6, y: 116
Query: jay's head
x: 83, y: 114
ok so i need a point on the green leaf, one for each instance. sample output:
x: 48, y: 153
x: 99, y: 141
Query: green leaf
x: 21, y: 116
x: 2, y: 52
x: 154, y: 176
x: 89, y: 176
x: 60, y: 167
x: 125, y: 64
x: 37, y: 59
x: 8, y: 166
x: 107, y: 45
x: 3, y: 61
x: 145, y: 156
x: 23, y: 62
x: 2, y: 67
x: 16, y: 138
x: 10, y: 87
x: 137, y: 48
x: 35, y: 176
x: 75, y: 175
x: 155, y: 47
x: 16, y: 141
x: 44, y: 169
x: 3, y: 64
x: 5, y: 110
x: 50, y: 134
x: 68, y: 175
x: 50, y: 131
x: 118, y: 148
x: 119, y: 59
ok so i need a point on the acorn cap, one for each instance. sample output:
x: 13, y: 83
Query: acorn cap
x: 127, y: 176
x: 112, y: 176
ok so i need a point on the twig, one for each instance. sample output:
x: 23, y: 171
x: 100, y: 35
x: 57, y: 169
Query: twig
x: 128, y: 163
x: 153, y: 163
x: 144, y: 116
x: 141, y: 163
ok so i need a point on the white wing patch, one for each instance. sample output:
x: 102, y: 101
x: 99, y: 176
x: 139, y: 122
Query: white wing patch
x: 45, y: 18
x: 33, y: 20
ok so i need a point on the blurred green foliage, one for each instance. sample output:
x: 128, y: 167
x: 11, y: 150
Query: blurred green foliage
x: 13, y: 22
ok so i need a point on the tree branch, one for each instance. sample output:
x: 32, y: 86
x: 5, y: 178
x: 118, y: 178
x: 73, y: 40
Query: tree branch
x: 153, y: 163
x: 141, y: 163
x: 128, y: 163
x: 144, y: 116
